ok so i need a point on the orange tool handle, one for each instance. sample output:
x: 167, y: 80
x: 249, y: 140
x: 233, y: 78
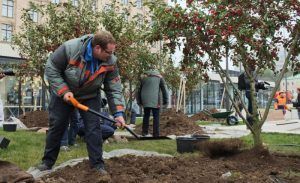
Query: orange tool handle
x: 78, y: 105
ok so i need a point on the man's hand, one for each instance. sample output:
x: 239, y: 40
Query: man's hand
x: 2, y: 75
x: 120, y: 122
x: 67, y: 96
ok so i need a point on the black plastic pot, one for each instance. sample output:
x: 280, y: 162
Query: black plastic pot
x: 4, y: 142
x: 10, y: 127
x: 188, y: 144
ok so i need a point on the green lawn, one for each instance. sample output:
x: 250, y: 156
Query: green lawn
x: 284, y: 143
x: 26, y: 148
x: 216, y: 123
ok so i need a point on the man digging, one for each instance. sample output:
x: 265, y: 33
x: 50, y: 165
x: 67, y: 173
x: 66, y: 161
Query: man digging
x: 77, y: 69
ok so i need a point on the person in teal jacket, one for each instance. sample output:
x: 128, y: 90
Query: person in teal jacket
x: 151, y: 92
x: 78, y: 68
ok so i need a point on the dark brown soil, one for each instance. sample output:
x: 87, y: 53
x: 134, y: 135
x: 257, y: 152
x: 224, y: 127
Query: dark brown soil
x: 35, y: 119
x: 172, y: 123
x: 216, y: 149
x: 201, y: 116
x: 12, y: 173
x: 249, y: 166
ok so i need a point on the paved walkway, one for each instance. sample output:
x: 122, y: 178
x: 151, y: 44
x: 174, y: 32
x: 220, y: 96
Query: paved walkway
x: 221, y: 131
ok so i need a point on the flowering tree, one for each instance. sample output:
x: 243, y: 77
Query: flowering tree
x: 61, y: 22
x: 133, y: 52
x: 58, y: 23
x: 250, y: 33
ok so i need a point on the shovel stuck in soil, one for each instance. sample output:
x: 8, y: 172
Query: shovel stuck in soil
x: 80, y: 106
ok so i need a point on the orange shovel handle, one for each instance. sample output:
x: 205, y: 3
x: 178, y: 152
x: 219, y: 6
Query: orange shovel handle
x: 78, y: 105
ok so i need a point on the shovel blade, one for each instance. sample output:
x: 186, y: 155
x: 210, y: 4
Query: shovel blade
x: 154, y: 138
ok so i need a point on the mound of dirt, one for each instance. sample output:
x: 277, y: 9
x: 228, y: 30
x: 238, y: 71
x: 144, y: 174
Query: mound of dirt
x: 35, y: 119
x: 201, y: 116
x: 215, y: 149
x: 184, y: 169
x: 12, y: 173
x: 172, y: 123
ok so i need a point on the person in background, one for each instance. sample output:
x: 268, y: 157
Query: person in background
x: 280, y: 102
x: 298, y: 102
x: 107, y: 128
x: 149, y: 96
x: 69, y: 137
x: 135, y: 109
x: 78, y: 68
x: 77, y: 128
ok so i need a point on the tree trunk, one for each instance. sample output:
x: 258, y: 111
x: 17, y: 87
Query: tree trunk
x: 129, y: 104
x: 257, y: 139
x: 20, y: 97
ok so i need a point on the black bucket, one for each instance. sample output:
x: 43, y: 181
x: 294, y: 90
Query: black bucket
x: 188, y: 144
x: 9, y: 127
x: 4, y: 142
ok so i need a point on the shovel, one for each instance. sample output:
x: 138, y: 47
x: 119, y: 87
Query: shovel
x: 80, y: 106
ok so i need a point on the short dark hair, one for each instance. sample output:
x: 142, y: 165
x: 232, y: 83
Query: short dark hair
x: 103, y: 38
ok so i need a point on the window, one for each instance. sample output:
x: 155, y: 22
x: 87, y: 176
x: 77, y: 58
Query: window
x: 75, y: 3
x: 7, y: 8
x: 139, y: 3
x: 6, y: 32
x: 125, y: 2
x: 33, y: 15
x: 55, y: 1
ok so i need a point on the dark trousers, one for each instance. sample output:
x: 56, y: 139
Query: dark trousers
x: 250, y: 108
x: 145, y: 127
x: 69, y: 136
x: 59, y: 112
x: 282, y: 107
x: 74, y: 126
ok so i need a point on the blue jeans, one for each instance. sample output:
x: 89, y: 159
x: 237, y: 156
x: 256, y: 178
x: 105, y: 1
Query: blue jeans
x: 132, y: 117
x: 65, y: 139
x: 59, y: 113
x: 145, y: 127
x: 107, y: 128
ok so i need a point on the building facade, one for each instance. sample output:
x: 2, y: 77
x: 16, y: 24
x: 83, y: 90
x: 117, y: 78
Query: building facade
x: 10, y: 22
x: 212, y: 94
